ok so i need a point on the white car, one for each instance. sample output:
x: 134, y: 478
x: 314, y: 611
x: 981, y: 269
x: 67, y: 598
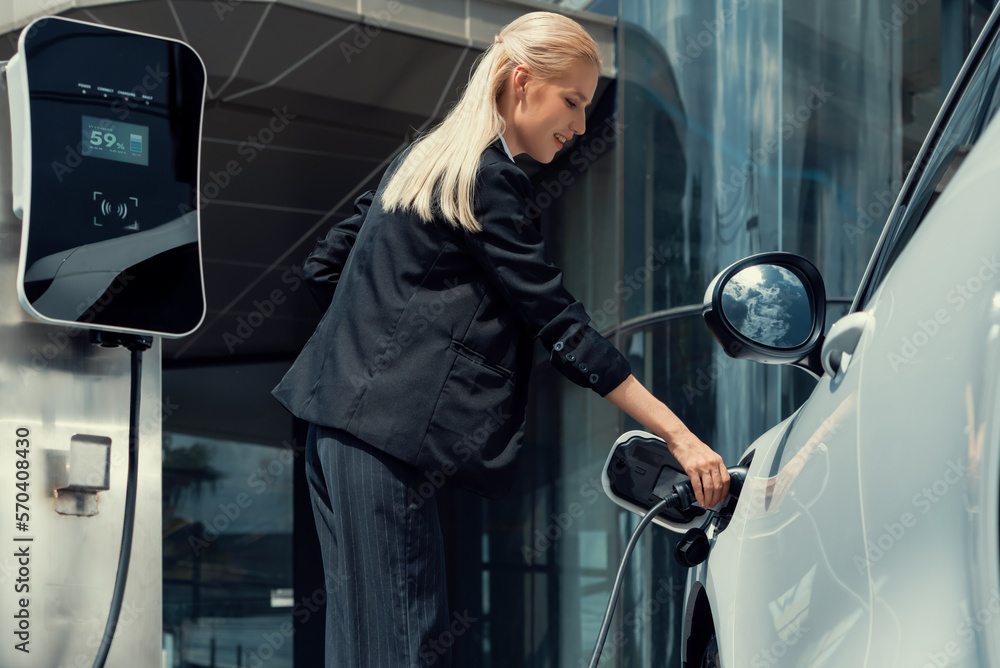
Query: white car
x: 866, y: 533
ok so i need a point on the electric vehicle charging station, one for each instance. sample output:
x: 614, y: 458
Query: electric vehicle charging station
x: 99, y: 243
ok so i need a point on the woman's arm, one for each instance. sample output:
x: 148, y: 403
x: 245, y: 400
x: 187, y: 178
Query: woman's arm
x: 323, y: 266
x: 703, y: 465
x: 511, y: 251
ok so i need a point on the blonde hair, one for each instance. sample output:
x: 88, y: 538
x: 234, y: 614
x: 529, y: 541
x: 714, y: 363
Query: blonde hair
x: 443, y: 164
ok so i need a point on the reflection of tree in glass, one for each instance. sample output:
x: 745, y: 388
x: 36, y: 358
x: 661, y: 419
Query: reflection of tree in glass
x: 768, y: 303
x: 186, y: 470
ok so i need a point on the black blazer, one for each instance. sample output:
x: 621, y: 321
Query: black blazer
x: 425, y: 348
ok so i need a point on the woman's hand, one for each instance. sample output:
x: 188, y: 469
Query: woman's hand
x: 705, y: 467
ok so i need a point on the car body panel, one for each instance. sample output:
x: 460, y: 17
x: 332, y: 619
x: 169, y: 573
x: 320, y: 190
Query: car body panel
x: 806, y: 480
x: 927, y: 394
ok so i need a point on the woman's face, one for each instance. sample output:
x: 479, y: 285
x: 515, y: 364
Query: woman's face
x: 543, y: 115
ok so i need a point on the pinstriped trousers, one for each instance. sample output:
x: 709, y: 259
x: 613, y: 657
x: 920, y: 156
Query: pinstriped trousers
x: 383, y: 556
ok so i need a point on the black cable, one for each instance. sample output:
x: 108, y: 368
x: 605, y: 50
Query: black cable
x: 136, y: 345
x: 680, y: 496
x: 672, y: 499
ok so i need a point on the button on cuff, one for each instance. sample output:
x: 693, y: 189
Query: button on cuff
x: 594, y: 378
x: 558, y: 346
x: 571, y: 357
x: 582, y: 367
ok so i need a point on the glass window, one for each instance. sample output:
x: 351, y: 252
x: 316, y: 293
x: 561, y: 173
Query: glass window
x: 991, y: 96
x: 227, y: 553
x: 994, y: 99
x: 802, y: 148
x: 945, y: 150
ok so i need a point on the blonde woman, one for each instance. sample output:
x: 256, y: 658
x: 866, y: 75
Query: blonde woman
x: 435, y: 292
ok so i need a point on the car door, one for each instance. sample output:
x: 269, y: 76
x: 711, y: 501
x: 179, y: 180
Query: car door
x: 800, y: 598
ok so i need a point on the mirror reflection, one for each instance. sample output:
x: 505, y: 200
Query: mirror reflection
x: 768, y: 304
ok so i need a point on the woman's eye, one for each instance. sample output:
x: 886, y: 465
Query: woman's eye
x: 571, y: 104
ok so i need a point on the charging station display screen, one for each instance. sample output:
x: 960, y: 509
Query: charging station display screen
x: 111, y: 140
x: 111, y: 223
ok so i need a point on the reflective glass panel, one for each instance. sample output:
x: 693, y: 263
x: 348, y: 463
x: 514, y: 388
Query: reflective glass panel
x: 227, y: 548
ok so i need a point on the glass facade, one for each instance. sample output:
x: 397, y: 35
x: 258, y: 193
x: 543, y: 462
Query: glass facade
x: 733, y: 128
x: 228, y: 521
x: 739, y: 128
x: 227, y: 577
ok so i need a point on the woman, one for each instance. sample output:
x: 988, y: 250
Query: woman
x: 435, y: 291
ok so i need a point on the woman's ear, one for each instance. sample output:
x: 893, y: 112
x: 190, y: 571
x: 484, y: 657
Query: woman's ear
x: 521, y: 77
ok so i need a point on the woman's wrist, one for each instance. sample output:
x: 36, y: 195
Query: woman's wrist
x: 655, y: 416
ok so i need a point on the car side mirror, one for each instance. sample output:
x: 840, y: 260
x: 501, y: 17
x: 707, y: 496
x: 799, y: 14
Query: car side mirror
x: 769, y: 308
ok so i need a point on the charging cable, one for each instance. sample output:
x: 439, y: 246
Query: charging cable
x: 681, y: 493
x: 680, y: 496
x: 136, y: 344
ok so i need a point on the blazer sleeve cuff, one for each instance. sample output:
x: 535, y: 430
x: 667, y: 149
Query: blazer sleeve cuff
x: 586, y: 358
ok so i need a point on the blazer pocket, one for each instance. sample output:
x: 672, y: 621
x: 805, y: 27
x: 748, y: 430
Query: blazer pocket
x: 472, y: 355
x: 475, y: 430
